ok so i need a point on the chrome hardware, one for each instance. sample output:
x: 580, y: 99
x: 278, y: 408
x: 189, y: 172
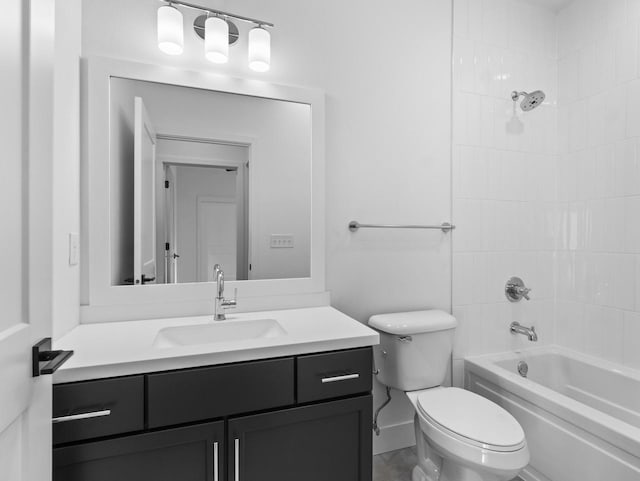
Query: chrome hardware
x: 76, y: 417
x: 236, y: 459
x: 515, y: 290
x: 405, y: 338
x: 344, y: 377
x: 220, y: 13
x: 376, y: 372
x: 220, y: 303
x: 215, y: 461
x: 523, y: 368
x: 530, y: 332
x: 355, y: 225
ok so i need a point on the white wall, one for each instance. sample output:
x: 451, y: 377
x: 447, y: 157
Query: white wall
x: 504, y: 163
x: 66, y: 165
x: 280, y: 170
x: 599, y: 183
x: 578, y: 244
x: 387, y: 81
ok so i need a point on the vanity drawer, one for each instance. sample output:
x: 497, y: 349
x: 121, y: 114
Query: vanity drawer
x: 334, y: 374
x: 178, y: 397
x: 93, y: 409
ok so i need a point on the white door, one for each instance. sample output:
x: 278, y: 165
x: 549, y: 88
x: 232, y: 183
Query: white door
x: 216, y: 226
x: 171, y: 237
x: 26, y: 139
x: 144, y: 197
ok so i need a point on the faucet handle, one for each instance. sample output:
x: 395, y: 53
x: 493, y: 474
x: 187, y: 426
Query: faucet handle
x: 231, y: 303
x: 515, y: 290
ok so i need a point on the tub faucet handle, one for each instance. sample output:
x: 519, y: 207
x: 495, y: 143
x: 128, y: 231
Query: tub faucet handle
x: 515, y: 290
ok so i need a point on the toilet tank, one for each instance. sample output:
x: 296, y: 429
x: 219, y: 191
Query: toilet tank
x: 415, y: 348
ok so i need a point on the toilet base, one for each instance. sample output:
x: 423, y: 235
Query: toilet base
x: 453, y: 472
x: 419, y: 475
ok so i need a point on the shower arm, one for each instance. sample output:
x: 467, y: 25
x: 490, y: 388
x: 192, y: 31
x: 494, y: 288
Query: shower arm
x: 515, y: 95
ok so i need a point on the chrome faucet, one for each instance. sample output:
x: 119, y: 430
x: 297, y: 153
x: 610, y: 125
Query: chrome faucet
x: 221, y: 303
x: 530, y: 332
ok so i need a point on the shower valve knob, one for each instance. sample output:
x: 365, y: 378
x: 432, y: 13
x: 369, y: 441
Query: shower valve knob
x: 515, y: 290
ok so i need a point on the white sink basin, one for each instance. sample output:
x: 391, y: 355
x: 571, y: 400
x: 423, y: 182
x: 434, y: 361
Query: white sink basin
x: 218, y: 332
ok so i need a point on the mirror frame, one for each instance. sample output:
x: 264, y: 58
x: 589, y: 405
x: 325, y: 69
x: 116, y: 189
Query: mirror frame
x: 101, y: 301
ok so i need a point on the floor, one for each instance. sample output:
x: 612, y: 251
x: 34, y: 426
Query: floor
x: 396, y: 465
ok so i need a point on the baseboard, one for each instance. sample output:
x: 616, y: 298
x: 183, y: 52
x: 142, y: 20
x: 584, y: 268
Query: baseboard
x: 396, y: 436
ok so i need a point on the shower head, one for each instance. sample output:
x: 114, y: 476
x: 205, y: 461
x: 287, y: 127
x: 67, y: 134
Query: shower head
x: 530, y: 101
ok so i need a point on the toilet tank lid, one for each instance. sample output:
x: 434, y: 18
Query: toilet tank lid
x: 415, y: 322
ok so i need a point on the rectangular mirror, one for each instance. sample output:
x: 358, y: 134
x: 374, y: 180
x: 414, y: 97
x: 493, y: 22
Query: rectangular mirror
x: 183, y: 170
x: 203, y: 177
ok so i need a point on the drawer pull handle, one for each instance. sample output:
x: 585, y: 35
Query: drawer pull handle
x: 215, y: 461
x: 237, y: 459
x: 340, y: 378
x: 76, y: 417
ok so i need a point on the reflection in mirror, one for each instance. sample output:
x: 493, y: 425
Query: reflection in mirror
x: 202, y: 177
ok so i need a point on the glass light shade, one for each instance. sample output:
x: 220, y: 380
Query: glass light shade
x: 216, y: 40
x: 259, y: 49
x: 170, y: 30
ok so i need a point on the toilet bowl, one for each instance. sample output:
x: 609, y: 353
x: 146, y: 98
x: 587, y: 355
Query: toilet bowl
x: 460, y: 436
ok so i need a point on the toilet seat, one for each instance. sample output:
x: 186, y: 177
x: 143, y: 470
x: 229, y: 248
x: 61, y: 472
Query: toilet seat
x: 470, y: 419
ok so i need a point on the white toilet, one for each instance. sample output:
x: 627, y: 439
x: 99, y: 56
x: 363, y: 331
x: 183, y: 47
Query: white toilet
x: 460, y: 436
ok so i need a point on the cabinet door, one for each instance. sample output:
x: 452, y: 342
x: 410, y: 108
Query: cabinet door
x: 192, y: 453
x: 322, y: 442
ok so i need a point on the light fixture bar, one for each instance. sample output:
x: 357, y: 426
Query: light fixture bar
x: 255, y: 21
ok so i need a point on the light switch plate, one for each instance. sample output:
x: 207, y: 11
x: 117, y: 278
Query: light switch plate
x: 74, y: 248
x: 281, y: 241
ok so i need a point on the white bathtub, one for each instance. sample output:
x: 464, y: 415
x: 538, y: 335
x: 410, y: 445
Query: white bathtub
x: 581, y: 415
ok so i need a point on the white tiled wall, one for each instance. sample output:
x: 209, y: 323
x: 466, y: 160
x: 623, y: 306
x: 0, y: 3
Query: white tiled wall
x: 552, y: 195
x: 504, y: 171
x: 599, y: 179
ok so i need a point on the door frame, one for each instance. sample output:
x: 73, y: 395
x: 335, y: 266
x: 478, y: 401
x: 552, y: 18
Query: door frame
x: 244, y: 186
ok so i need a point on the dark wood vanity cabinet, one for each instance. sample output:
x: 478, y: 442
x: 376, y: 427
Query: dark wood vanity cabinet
x: 329, y: 441
x: 186, y: 453
x: 305, y: 417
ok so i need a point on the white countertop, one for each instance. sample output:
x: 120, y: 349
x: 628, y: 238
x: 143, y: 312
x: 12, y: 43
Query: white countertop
x: 121, y: 348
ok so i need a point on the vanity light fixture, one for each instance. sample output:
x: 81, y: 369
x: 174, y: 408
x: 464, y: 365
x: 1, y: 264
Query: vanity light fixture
x: 216, y: 40
x: 259, y: 49
x: 217, y: 30
x: 170, y: 33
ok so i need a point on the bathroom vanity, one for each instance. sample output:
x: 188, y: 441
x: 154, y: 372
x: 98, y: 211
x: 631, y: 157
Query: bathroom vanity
x: 282, y: 395
x: 304, y: 414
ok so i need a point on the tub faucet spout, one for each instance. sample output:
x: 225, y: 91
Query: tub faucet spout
x: 530, y: 332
